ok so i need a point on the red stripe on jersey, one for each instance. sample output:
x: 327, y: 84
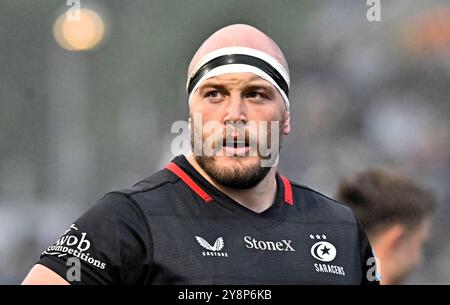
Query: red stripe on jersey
x: 183, y: 176
x: 287, y: 191
x: 199, y: 191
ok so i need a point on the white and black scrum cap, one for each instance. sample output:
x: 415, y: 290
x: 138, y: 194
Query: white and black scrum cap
x: 240, y: 59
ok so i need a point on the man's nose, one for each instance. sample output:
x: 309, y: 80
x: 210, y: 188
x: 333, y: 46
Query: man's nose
x: 236, y: 109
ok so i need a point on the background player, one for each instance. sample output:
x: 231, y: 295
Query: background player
x: 395, y: 211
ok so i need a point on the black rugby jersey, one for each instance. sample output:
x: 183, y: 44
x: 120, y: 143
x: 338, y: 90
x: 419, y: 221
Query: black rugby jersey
x: 174, y: 227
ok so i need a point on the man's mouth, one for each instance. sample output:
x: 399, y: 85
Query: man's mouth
x: 235, y: 146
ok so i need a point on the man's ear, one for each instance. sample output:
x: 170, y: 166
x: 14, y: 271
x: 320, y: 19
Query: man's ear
x: 286, y: 123
x: 393, y: 238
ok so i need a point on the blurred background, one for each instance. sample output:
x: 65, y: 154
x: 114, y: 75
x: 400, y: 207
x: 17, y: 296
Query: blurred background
x: 86, y: 106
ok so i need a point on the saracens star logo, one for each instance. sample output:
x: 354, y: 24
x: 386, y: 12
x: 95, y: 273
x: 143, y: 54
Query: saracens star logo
x: 323, y: 250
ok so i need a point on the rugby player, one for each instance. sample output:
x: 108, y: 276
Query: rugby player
x: 222, y: 214
x: 396, y: 212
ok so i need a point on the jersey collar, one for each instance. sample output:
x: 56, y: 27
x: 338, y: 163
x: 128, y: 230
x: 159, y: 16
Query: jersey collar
x: 208, y: 193
x: 177, y: 169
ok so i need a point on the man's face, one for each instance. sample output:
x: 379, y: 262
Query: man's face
x: 241, y: 119
x: 409, y: 252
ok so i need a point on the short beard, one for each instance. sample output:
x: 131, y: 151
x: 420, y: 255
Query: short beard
x: 242, y: 177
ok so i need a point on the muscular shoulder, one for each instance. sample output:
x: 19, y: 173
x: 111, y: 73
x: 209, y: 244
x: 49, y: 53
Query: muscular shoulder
x: 322, y: 207
x: 159, y: 192
x: 153, y: 183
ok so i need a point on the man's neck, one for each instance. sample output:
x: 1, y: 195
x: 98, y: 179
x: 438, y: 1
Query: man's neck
x: 257, y: 198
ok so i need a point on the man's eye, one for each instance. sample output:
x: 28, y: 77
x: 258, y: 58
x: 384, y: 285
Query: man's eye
x: 213, y: 94
x: 254, y: 94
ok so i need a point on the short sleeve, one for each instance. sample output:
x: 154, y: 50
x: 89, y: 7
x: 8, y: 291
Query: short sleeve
x: 108, y: 244
x: 370, y: 272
